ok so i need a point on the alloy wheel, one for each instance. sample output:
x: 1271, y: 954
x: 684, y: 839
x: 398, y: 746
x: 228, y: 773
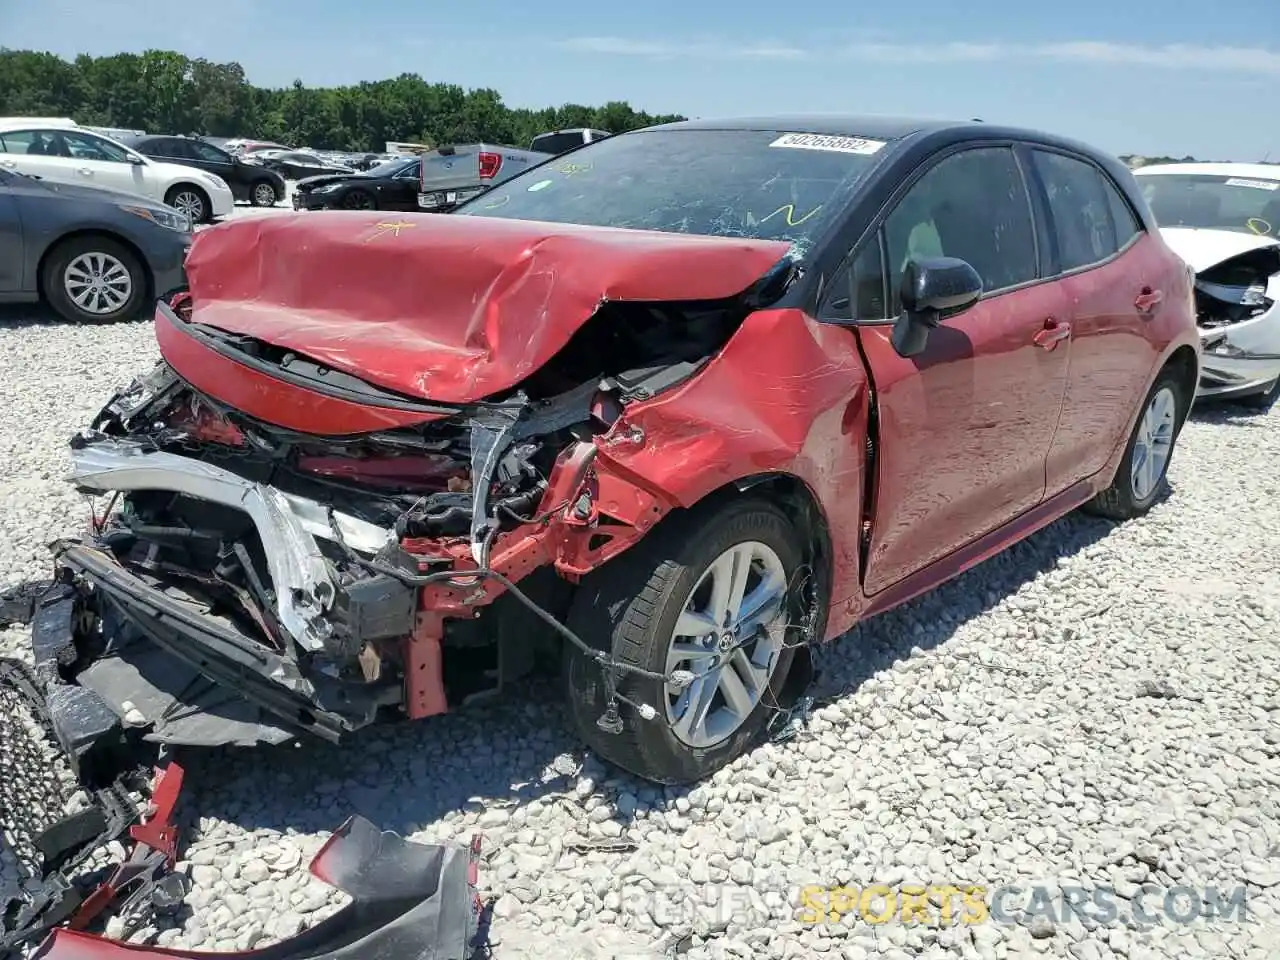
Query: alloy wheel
x: 1154, y: 443
x: 97, y: 283
x: 729, y: 636
x: 264, y: 195
x: 191, y: 204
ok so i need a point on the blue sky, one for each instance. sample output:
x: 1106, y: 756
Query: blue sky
x: 1146, y: 76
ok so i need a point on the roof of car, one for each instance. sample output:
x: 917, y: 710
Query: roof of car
x: 840, y: 125
x: 1256, y: 171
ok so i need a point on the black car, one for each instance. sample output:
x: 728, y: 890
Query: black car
x: 248, y: 181
x: 93, y: 255
x: 389, y: 186
x: 299, y: 164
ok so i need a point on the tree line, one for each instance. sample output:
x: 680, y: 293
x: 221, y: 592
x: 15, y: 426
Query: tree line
x: 161, y: 91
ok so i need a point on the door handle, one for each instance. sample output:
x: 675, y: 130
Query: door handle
x: 85, y: 171
x: 1147, y: 300
x: 1054, y: 332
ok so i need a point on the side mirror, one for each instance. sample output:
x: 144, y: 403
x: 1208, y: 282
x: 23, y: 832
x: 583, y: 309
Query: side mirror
x: 933, y: 289
x: 136, y: 160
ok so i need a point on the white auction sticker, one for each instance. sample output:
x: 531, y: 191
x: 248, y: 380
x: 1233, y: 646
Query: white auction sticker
x: 819, y: 141
x: 1256, y: 184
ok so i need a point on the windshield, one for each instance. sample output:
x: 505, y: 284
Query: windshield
x: 728, y: 183
x: 389, y: 168
x: 1240, y: 204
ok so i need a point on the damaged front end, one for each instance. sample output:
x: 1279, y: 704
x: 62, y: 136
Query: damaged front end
x: 250, y: 582
x: 1238, y: 313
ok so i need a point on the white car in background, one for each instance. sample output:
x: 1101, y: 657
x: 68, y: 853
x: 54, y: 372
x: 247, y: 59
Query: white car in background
x: 64, y: 152
x: 1223, y: 219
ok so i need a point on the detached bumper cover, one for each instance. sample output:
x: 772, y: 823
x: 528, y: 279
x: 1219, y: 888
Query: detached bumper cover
x: 409, y: 900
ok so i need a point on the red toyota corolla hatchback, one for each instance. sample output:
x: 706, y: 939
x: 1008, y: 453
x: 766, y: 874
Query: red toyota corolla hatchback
x: 668, y: 407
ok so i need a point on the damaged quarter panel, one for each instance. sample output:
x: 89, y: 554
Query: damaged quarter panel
x: 786, y: 395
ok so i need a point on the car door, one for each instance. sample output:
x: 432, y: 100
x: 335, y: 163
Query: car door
x: 32, y: 152
x: 964, y: 427
x: 1095, y: 246
x: 99, y: 162
x: 212, y: 160
x: 401, y: 190
x: 12, y: 251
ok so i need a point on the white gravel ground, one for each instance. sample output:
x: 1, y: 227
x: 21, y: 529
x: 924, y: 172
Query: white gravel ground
x: 1100, y: 706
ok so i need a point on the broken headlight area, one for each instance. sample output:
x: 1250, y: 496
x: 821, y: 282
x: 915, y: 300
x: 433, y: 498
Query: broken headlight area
x: 250, y: 582
x: 1235, y: 290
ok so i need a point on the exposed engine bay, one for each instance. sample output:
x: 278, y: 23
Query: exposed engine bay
x: 1238, y: 313
x: 322, y: 582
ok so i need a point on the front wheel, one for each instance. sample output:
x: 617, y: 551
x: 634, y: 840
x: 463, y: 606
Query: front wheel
x: 1143, y: 473
x: 358, y: 200
x: 711, y: 594
x: 190, y: 200
x: 91, y: 279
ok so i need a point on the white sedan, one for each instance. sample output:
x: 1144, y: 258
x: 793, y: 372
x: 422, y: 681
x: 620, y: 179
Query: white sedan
x: 1223, y: 219
x: 67, y: 153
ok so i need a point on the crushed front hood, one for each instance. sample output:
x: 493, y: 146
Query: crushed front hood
x: 1202, y: 249
x: 446, y: 308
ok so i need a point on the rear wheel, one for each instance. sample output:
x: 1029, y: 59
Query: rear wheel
x: 263, y: 194
x: 190, y: 200
x: 709, y: 594
x: 93, y: 279
x: 1143, y: 473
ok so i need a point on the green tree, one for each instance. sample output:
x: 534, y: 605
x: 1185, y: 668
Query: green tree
x: 162, y: 91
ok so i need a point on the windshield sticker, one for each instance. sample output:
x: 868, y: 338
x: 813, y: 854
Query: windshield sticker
x: 569, y: 169
x: 1255, y: 184
x: 1259, y: 226
x: 497, y: 202
x: 817, y: 141
x: 540, y: 185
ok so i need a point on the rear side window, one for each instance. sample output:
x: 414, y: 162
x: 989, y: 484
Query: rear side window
x: 16, y: 141
x: 556, y: 142
x: 1083, y: 204
x: 1123, y: 218
x: 204, y: 151
x: 972, y: 205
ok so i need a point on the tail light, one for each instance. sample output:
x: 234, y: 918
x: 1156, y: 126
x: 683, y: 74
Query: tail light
x: 490, y: 164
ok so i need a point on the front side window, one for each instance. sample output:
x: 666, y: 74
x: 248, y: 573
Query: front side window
x: 1080, y: 209
x: 84, y: 146
x: 973, y: 206
x: 764, y: 184
x: 18, y: 141
x: 1239, y: 204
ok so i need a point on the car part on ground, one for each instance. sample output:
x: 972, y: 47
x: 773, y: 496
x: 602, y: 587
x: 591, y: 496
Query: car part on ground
x: 1223, y: 219
x: 445, y: 444
x: 93, y: 255
x: 53, y: 753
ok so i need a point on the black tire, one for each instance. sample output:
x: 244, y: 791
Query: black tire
x: 62, y: 256
x: 631, y: 605
x: 191, y: 200
x: 1120, y: 501
x: 1263, y: 400
x: 262, y: 193
x: 359, y: 200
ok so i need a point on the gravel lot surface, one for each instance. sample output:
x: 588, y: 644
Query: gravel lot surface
x: 1100, y: 706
